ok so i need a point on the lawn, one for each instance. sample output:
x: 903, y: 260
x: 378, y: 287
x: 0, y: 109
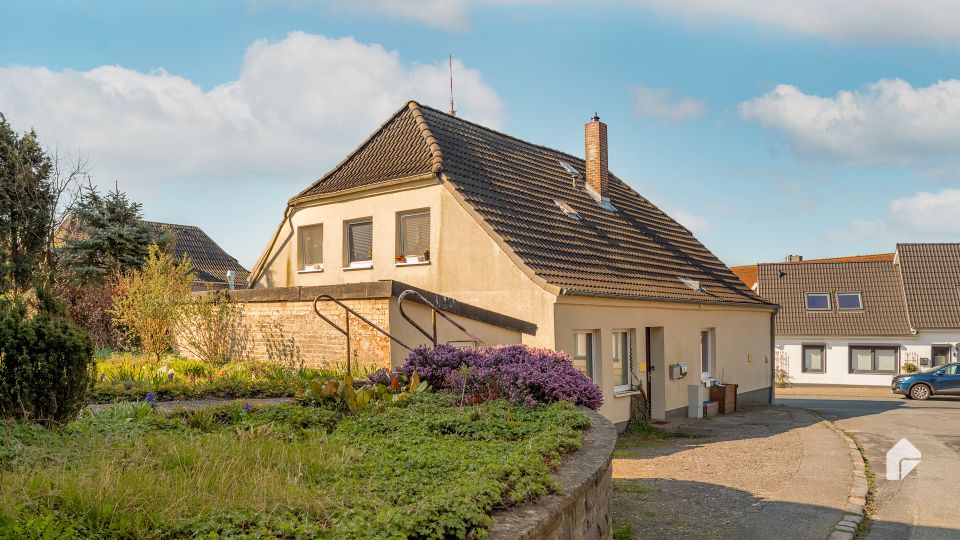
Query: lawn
x: 424, y: 468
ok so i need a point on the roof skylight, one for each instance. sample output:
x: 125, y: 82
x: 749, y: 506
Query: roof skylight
x: 692, y: 283
x: 567, y: 209
x: 570, y: 169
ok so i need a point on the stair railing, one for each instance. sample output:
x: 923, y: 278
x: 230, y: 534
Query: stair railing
x: 345, y: 329
x: 435, y: 311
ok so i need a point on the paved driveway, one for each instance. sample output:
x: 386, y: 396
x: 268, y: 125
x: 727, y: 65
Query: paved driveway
x: 926, y: 504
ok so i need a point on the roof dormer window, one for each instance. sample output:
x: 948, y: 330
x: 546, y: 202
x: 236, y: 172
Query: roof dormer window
x: 818, y: 301
x: 848, y: 301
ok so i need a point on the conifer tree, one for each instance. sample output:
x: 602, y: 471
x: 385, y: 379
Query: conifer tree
x: 106, y: 237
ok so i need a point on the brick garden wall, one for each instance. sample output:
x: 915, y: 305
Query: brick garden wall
x: 293, y: 327
x: 284, y: 328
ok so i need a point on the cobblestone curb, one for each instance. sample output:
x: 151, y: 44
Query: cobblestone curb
x: 856, y: 509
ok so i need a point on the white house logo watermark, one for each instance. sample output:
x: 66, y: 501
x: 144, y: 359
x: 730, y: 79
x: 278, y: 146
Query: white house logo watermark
x: 901, y: 459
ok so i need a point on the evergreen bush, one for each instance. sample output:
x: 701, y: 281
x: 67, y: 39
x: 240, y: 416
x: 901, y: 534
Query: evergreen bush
x: 46, y: 366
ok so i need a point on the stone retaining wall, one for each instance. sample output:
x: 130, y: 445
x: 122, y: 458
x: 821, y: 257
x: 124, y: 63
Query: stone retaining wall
x: 581, y: 509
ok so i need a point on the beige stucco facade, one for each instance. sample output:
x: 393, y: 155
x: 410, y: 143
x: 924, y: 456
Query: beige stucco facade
x: 468, y: 264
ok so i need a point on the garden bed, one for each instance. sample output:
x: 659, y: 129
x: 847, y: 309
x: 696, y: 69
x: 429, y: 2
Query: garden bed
x: 132, y: 377
x: 422, y: 468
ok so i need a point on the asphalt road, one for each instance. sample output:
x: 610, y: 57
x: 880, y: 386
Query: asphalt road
x: 926, y: 503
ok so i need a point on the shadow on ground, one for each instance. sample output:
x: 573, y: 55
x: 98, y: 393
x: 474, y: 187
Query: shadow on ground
x: 663, y: 508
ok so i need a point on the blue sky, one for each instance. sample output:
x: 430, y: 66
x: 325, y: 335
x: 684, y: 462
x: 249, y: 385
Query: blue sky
x: 767, y: 127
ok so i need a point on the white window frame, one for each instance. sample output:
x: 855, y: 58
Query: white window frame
x: 591, y: 358
x: 806, y: 301
x: 347, y: 241
x: 627, y: 362
x: 401, y: 252
x: 850, y: 293
x: 302, y: 267
x: 711, y: 347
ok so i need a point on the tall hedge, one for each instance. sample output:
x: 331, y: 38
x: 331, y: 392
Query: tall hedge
x: 46, y: 366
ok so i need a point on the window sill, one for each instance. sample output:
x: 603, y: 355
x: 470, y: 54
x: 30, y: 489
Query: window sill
x: 358, y: 267
x: 624, y: 393
x: 421, y: 263
x: 310, y: 270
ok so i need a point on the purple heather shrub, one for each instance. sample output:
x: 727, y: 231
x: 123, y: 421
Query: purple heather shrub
x: 522, y: 375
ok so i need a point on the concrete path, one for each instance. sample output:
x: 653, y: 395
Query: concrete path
x: 764, y: 472
x: 200, y: 403
x: 924, y: 505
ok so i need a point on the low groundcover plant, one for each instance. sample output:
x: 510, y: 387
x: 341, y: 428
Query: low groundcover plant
x: 418, y: 468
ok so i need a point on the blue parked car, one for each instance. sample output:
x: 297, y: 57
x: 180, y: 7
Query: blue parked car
x: 942, y: 380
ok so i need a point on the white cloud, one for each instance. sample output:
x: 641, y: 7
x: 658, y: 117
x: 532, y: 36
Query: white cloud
x: 299, y: 105
x: 297, y: 108
x: 888, y: 122
x: 660, y: 103
x: 904, y: 21
x: 876, y: 21
x: 696, y: 224
x: 922, y: 217
x: 449, y: 15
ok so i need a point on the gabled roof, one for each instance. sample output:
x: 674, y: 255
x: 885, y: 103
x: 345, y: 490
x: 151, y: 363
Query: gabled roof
x: 884, y: 310
x: 931, y: 281
x: 512, y: 187
x: 748, y: 272
x: 210, y: 262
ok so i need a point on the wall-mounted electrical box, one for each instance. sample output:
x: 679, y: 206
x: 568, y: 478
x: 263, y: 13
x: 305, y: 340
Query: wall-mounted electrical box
x: 678, y: 371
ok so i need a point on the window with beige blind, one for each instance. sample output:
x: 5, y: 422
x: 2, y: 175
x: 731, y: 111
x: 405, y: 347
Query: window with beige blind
x: 359, y: 242
x: 311, y: 247
x: 413, y: 236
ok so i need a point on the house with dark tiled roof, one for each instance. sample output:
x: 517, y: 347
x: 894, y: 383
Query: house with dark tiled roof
x: 859, y: 320
x: 213, y: 267
x: 554, y: 240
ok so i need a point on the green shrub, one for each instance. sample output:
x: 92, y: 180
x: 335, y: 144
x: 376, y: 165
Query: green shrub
x: 46, y: 366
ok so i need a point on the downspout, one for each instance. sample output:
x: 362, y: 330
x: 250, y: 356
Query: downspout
x: 288, y: 218
x: 773, y: 356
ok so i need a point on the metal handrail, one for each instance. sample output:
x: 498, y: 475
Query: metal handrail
x: 346, y: 331
x: 436, y: 310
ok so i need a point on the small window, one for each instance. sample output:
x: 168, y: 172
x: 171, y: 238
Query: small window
x: 583, y: 352
x: 570, y: 169
x: 849, y: 300
x: 818, y: 301
x: 691, y: 283
x: 413, y: 236
x: 814, y: 358
x: 707, y: 352
x: 567, y: 209
x: 622, y: 359
x: 873, y: 359
x: 311, y: 247
x: 359, y: 242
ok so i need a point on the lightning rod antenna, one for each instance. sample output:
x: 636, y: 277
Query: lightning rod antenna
x: 453, y: 110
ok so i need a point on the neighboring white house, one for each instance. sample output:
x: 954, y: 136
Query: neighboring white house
x: 860, y: 320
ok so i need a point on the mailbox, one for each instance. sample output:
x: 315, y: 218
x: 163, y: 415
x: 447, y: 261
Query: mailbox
x: 678, y: 371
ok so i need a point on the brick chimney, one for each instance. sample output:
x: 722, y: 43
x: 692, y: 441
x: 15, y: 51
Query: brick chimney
x: 598, y: 178
x: 793, y: 258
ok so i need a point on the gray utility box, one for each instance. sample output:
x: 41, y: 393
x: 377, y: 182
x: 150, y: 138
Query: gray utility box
x: 678, y: 371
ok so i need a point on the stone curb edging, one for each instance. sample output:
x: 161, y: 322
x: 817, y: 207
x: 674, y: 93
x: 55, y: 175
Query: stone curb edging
x: 855, y: 510
x: 581, y: 507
